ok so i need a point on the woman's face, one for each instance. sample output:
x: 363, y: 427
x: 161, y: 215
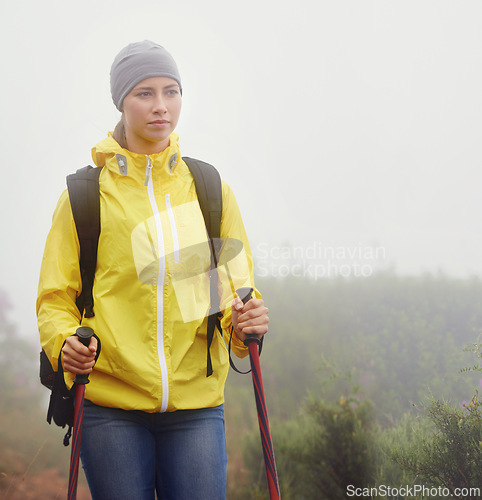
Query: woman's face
x: 151, y: 111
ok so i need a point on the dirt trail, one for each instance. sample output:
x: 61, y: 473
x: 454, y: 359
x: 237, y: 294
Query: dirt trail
x: 50, y: 485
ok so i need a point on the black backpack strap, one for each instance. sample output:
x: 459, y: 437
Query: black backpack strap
x: 61, y: 403
x: 209, y: 193
x: 84, y: 197
x: 210, y: 197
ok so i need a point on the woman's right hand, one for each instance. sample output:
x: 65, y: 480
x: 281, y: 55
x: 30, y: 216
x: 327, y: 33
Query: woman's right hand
x: 76, y: 357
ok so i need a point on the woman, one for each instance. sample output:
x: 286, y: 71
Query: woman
x: 153, y: 421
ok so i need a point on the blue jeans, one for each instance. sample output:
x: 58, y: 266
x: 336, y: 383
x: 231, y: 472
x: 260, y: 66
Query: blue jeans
x: 129, y: 455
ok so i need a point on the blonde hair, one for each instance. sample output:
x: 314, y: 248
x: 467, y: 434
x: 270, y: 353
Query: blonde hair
x: 120, y: 133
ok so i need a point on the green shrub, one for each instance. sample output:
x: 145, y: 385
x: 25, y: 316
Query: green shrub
x: 450, y: 456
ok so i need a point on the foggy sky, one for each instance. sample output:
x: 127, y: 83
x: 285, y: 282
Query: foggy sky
x: 343, y: 127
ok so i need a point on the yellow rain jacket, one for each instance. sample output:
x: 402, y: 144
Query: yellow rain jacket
x: 151, y: 287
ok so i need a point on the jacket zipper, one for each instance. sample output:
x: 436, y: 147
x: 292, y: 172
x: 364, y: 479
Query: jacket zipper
x: 160, y: 286
x: 175, y: 238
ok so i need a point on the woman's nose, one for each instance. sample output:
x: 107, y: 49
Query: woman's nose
x: 159, y: 105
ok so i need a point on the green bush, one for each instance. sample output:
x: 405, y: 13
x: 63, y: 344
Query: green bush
x: 450, y: 456
x: 320, y: 453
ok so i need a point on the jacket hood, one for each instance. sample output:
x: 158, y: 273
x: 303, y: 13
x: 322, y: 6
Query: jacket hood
x: 108, y: 153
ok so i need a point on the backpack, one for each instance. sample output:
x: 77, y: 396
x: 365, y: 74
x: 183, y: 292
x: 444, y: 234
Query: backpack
x: 83, y: 187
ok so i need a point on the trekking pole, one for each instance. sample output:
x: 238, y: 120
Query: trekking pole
x: 84, y: 333
x: 253, y: 342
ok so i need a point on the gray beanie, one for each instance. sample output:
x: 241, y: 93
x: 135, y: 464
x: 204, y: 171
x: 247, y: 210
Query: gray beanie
x: 136, y: 62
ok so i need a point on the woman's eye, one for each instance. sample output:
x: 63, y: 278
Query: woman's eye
x: 143, y: 94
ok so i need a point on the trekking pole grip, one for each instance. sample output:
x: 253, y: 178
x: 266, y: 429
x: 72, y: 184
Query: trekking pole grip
x: 84, y: 333
x: 245, y: 294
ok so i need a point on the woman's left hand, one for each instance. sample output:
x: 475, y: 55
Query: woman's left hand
x: 251, y: 317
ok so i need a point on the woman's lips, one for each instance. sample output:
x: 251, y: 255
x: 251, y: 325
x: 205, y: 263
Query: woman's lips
x: 159, y: 123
